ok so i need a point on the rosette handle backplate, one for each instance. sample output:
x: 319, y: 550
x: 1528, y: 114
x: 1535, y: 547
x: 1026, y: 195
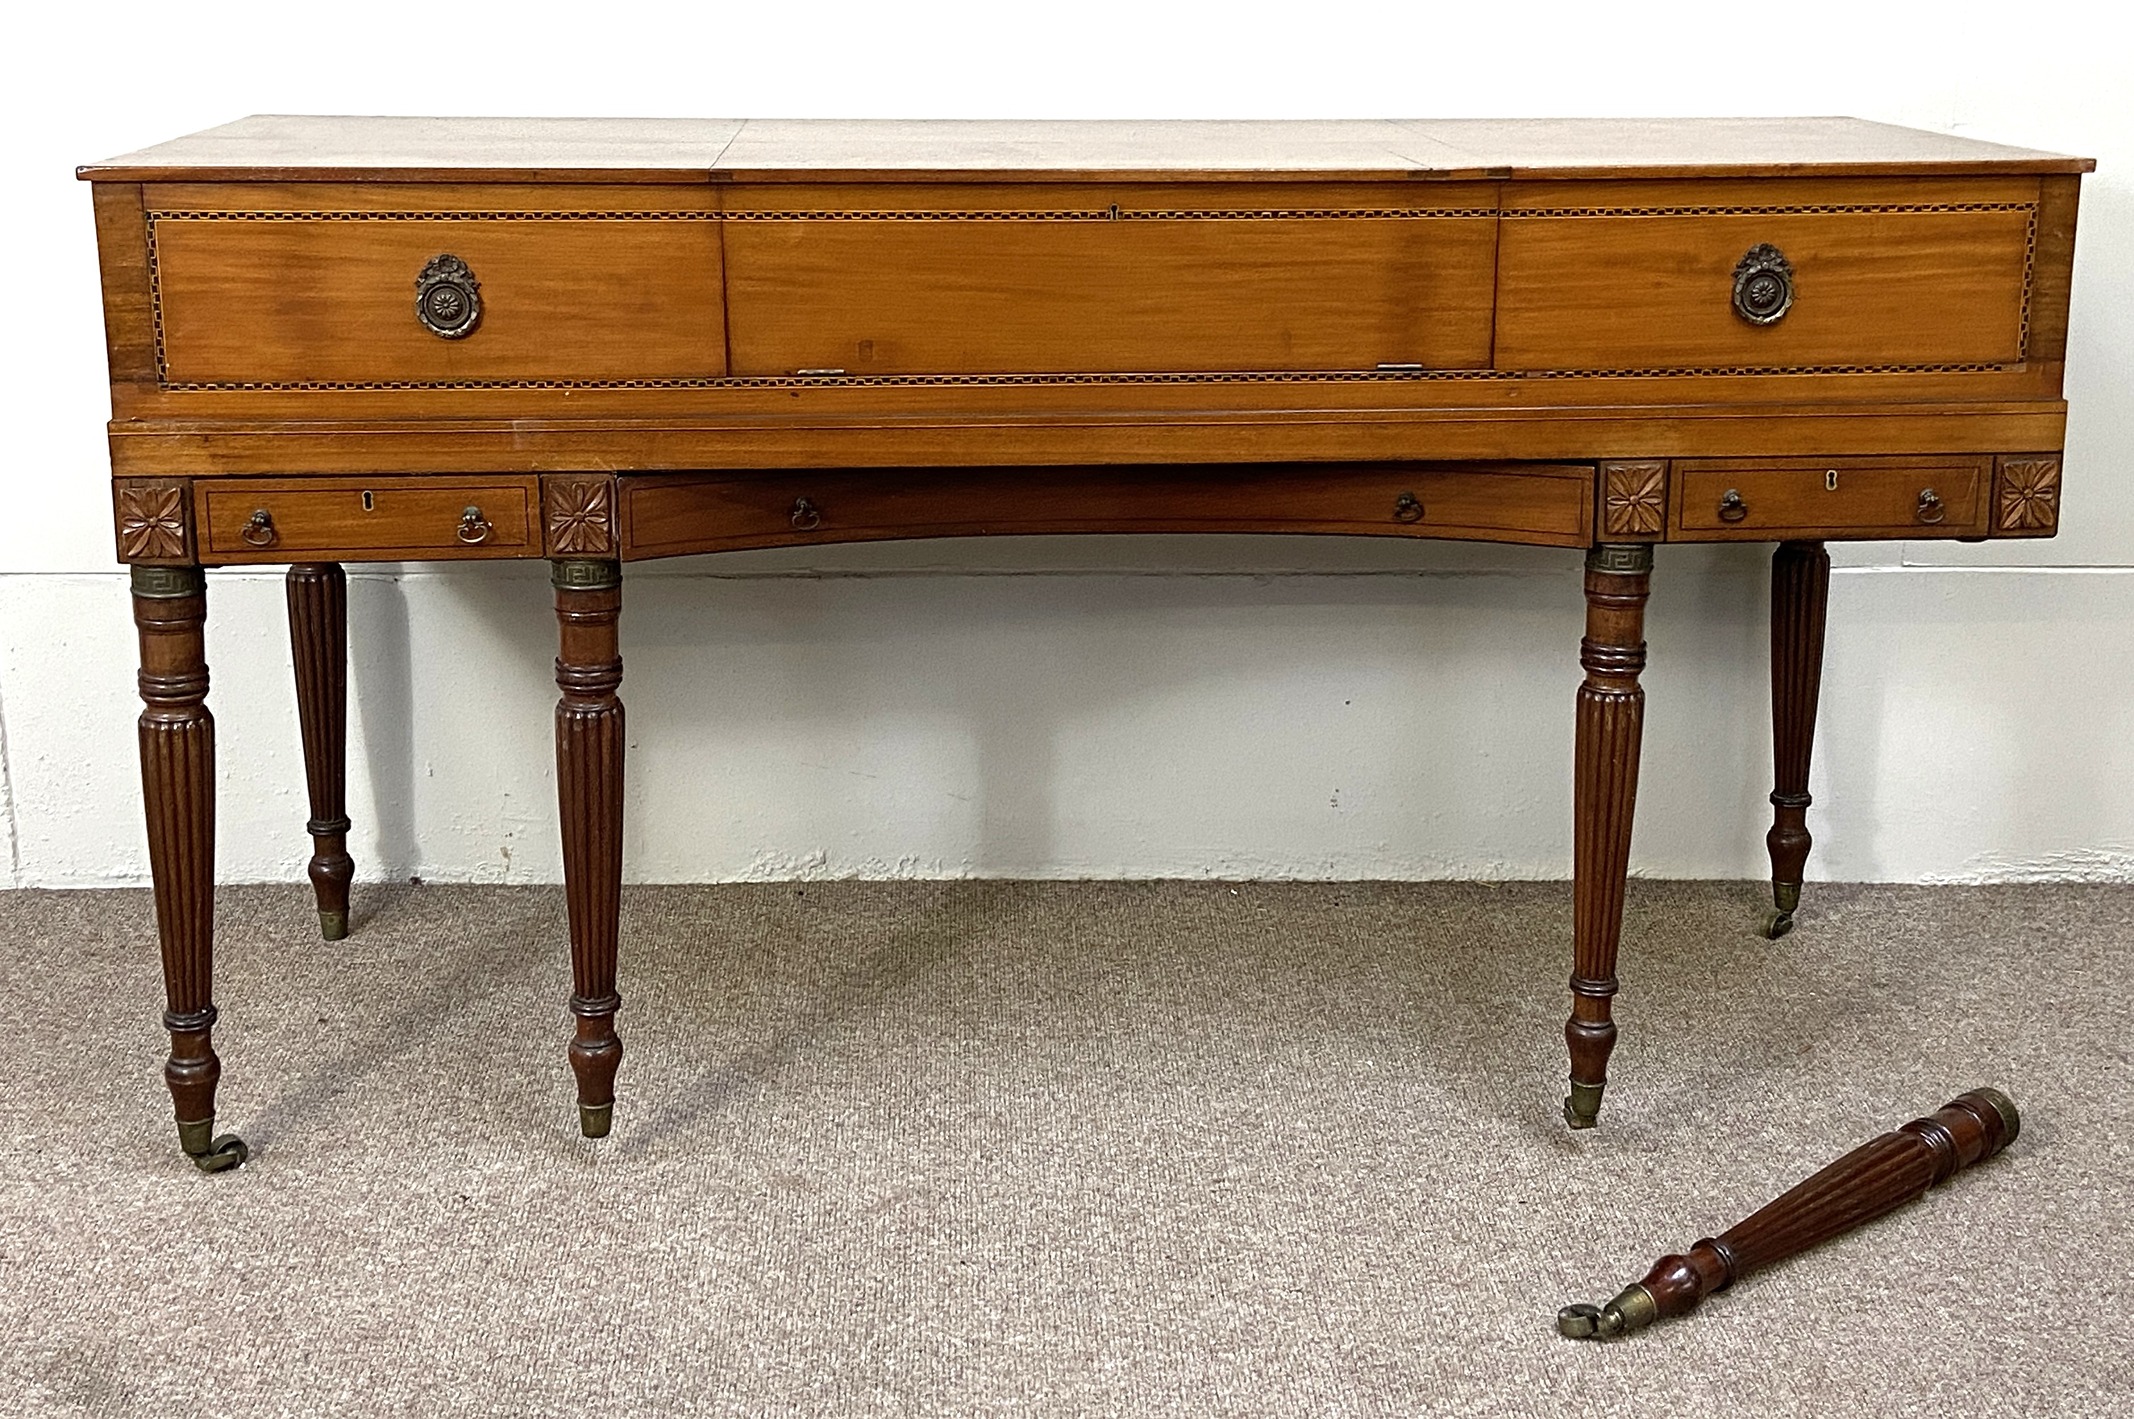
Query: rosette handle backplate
x: 448, y: 299
x: 1763, y: 285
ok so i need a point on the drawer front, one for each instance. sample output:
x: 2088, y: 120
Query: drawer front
x: 1548, y: 504
x: 1763, y: 500
x: 1879, y: 288
x: 897, y: 288
x: 351, y: 520
x: 288, y: 298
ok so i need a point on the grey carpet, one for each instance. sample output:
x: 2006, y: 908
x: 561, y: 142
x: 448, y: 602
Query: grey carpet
x: 1034, y: 1149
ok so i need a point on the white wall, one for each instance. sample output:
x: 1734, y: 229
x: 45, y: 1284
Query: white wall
x: 1088, y: 706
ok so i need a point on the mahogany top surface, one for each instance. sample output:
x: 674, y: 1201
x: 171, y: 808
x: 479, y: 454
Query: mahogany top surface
x: 276, y: 147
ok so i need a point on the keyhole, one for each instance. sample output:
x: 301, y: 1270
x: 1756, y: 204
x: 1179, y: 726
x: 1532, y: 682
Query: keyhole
x: 370, y: 504
x: 1830, y: 481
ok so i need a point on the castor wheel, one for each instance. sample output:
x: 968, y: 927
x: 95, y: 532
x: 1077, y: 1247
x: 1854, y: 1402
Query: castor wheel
x: 1777, y: 923
x: 217, y: 1154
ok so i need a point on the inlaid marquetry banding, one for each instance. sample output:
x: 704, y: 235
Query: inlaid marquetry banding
x: 1058, y: 215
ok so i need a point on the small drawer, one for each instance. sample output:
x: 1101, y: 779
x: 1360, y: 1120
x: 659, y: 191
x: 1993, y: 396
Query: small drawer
x: 354, y: 520
x: 1763, y: 500
x: 1545, y: 504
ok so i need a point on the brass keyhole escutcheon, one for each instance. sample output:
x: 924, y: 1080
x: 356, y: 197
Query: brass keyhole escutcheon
x: 1731, y: 507
x: 259, y: 530
x: 473, y: 527
x: 1830, y: 480
x: 806, y: 516
x: 1407, y: 508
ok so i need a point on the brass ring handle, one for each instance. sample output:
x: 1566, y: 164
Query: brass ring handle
x: 259, y: 532
x: 806, y: 516
x: 473, y: 527
x: 1731, y: 507
x: 1763, y: 285
x: 1407, y: 508
x: 448, y: 299
x: 1931, y: 509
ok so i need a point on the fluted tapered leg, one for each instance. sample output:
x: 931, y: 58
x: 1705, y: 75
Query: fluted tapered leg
x: 178, y: 791
x: 589, y: 743
x: 1611, y: 717
x: 318, y: 642
x: 1800, y: 597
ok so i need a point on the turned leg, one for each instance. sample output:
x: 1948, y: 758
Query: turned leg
x: 1800, y: 594
x: 1611, y: 716
x: 178, y: 791
x: 589, y: 786
x: 318, y: 641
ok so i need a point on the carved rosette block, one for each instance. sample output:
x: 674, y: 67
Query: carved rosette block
x: 2026, y: 500
x: 154, y: 519
x: 580, y: 516
x: 589, y: 783
x: 1634, y: 499
x: 1611, y: 721
x: 318, y: 644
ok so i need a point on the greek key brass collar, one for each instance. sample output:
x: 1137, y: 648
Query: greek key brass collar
x: 1620, y: 557
x: 583, y: 574
x: 168, y: 583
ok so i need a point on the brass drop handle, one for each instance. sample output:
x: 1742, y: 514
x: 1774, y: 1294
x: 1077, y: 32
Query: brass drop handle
x: 1731, y: 507
x: 1931, y: 509
x: 806, y: 516
x: 448, y: 300
x: 1407, y: 508
x: 473, y: 527
x: 1763, y: 285
x: 259, y: 532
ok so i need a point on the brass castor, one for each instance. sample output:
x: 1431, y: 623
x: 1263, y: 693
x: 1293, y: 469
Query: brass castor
x: 594, y: 1120
x: 1582, y: 1108
x: 211, y: 1153
x: 333, y: 925
x: 1786, y: 899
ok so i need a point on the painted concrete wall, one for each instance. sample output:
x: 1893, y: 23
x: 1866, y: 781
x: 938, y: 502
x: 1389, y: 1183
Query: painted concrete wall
x: 1084, y: 707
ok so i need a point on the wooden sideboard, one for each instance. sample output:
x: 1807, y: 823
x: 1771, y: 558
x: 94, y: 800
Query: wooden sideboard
x: 600, y: 341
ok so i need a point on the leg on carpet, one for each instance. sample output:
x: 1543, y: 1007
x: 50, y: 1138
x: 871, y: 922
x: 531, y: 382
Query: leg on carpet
x: 589, y: 744
x: 318, y: 643
x: 1611, y: 716
x: 1800, y: 595
x: 178, y: 792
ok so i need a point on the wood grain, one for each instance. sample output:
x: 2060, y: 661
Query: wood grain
x: 293, y: 147
x: 1874, y: 288
x: 1130, y: 295
x: 301, y: 300
x: 1543, y: 504
x: 1794, y: 498
x: 366, y: 519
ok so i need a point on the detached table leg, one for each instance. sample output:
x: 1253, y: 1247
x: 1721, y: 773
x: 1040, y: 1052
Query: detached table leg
x: 178, y: 791
x: 318, y: 642
x: 1611, y: 719
x: 1800, y: 597
x: 589, y: 743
